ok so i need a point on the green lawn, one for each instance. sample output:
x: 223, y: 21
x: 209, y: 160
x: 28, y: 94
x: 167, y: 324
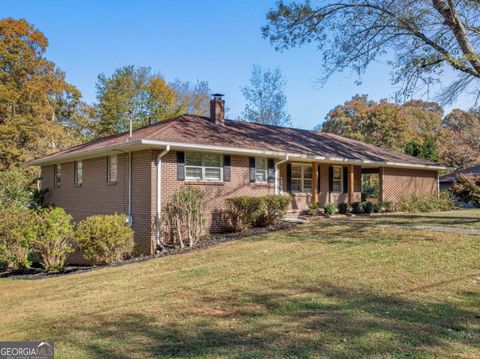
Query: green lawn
x: 320, y: 290
x: 465, y: 218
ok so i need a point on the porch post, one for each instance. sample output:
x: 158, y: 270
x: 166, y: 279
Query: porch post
x: 351, y: 179
x: 314, y: 182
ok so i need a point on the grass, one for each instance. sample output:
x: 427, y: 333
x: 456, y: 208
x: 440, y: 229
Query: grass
x: 465, y: 218
x: 320, y: 290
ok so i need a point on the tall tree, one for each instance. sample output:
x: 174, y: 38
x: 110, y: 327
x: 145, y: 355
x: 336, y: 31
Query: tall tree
x: 426, y: 37
x: 265, y: 96
x: 411, y: 128
x: 135, y: 93
x: 192, y: 98
x: 34, y: 97
x: 460, y: 138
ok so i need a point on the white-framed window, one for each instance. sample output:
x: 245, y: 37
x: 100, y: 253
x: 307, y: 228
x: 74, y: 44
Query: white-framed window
x: 261, y: 169
x: 301, y: 178
x: 78, y: 172
x: 112, y: 162
x: 57, y: 175
x: 203, y: 166
x: 337, y: 179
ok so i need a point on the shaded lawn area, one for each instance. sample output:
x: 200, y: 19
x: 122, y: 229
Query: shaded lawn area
x: 317, y: 290
x: 462, y: 218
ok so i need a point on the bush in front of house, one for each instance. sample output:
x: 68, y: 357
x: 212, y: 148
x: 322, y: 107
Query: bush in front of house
x: 368, y: 207
x: 17, y: 232
x: 275, y: 208
x: 244, y: 211
x: 105, y: 239
x: 312, y: 209
x: 467, y: 189
x: 429, y: 203
x: 343, y: 208
x: 185, y: 215
x: 357, y: 208
x: 389, y: 206
x: 378, y: 207
x: 54, y: 238
x: 329, y: 209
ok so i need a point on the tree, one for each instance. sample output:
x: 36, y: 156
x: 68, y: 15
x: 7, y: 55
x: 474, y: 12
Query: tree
x: 192, y: 98
x: 34, y: 96
x: 426, y: 36
x: 467, y: 189
x: 459, y: 143
x: 135, y: 93
x: 411, y: 128
x: 266, y: 100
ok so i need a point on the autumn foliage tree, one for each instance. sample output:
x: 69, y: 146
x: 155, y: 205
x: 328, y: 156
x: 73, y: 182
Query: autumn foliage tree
x: 146, y: 97
x: 411, y: 128
x: 39, y: 110
x: 459, y: 142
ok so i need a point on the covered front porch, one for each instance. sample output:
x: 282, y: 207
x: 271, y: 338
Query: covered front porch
x: 321, y: 183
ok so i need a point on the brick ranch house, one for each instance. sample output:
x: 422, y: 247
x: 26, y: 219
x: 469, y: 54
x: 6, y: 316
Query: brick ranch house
x: 136, y: 173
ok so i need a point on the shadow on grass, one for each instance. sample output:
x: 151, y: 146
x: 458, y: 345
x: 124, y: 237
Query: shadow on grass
x: 412, y: 219
x: 294, y: 321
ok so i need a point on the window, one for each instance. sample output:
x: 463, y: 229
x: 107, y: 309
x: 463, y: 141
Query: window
x: 337, y: 179
x: 261, y: 172
x: 112, y: 169
x: 78, y: 172
x: 301, y: 178
x: 57, y: 175
x: 203, y: 167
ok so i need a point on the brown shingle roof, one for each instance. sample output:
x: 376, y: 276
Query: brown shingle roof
x: 199, y: 130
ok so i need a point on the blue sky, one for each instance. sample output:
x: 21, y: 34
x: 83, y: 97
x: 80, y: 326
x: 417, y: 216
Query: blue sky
x: 211, y: 40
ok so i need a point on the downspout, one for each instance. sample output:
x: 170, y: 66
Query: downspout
x: 158, y: 231
x: 129, y: 214
x: 276, y: 172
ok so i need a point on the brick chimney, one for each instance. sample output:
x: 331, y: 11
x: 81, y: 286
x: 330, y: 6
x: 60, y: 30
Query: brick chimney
x: 217, y: 109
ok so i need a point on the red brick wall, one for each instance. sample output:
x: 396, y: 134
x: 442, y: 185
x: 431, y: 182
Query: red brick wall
x: 398, y: 182
x: 239, y: 185
x: 96, y: 196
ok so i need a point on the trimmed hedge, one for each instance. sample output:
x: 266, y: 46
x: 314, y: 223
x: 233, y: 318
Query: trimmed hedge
x: 329, y: 209
x: 343, y: 208
x: 105, y: 239
x: 249, y: 211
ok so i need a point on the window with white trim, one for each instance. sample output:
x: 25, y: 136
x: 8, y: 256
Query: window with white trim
x: 261, y: 170
x: 57, y: 175
x: 112, y: 168
x: 337, y: 179
x: 78, y: 172
x: 301, y: 178
x: 203, y: 166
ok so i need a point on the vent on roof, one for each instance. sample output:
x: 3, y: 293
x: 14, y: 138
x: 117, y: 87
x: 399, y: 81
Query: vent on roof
x: 217, y: 109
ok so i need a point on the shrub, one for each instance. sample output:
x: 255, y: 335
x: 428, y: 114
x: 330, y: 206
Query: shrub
x: 185, y: 214
x: 329, y: 209
x: 343, y: 208
x: 54, y: 234
x: 105, y: 239
x: 244, y: 211
x: 312, y: 208
x: 416, y: 203
x: 357, y: 207
x: 389, y: 206
x: 275, y: 207
x: 378, y: 207
x: 467, y: 189
x: 17, y: 232
x: 368, y: 207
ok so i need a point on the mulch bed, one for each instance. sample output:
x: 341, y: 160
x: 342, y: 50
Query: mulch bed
x: 211, y: 241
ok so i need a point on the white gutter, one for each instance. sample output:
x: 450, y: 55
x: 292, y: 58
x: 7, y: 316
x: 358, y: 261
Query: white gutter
x: 129, y: 214
x: 276, y: 172
x: 146, y: 144
x: 158, y: 232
